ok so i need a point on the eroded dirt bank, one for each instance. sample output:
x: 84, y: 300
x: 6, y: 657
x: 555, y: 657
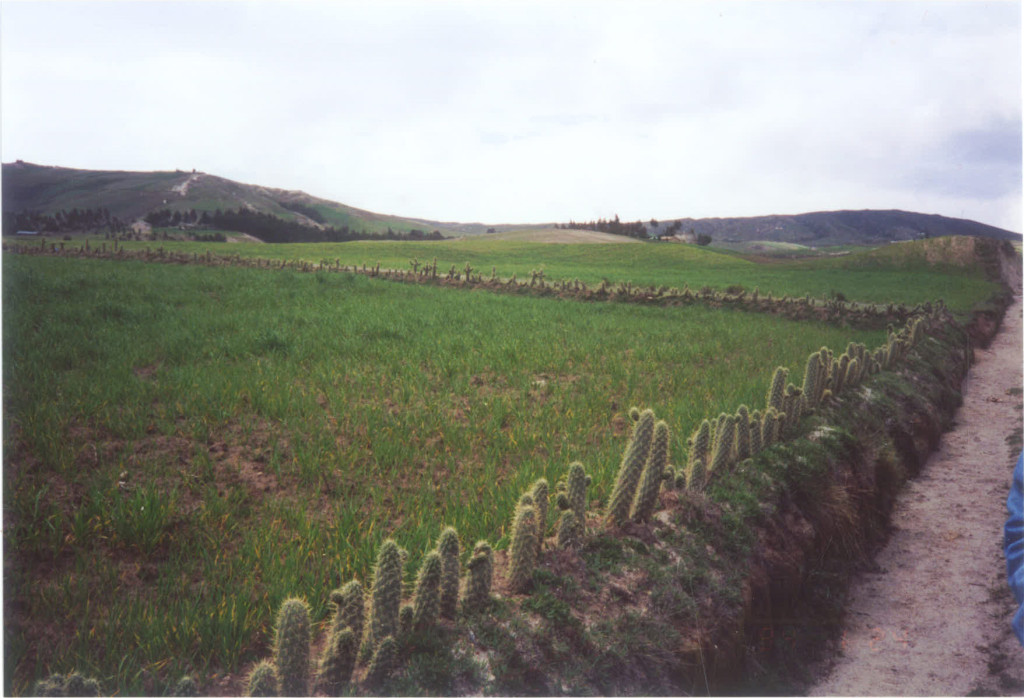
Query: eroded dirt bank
x: 931, y: 616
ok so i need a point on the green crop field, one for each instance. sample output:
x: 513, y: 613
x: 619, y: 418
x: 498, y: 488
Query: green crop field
x: 187, y: 446
x: 899, y: 273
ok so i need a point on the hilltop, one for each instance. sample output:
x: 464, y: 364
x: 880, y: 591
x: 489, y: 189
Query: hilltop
x: 826, y: 228
x: 119, y: 200
x: 131, y: 197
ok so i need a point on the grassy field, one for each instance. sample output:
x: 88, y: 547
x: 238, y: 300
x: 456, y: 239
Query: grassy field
x: 186, y: 446
x: 897, y: 273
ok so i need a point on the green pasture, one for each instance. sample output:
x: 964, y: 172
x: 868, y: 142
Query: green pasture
x: 186, y: 446
x: 864, y: 276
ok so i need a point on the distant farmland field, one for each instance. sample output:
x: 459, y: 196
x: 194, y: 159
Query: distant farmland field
x: 899, y: 273
x: 187, y: 446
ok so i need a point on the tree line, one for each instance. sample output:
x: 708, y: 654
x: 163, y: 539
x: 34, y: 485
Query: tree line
x: 614, y: 227
x: 269, y: 228
x: 77, y: 220
x: 636, y: 230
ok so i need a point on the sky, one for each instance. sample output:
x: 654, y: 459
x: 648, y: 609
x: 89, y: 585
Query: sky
x: 530, y: 112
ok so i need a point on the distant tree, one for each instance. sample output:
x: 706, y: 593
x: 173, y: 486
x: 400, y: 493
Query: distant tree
x: 654, y: 223
x: 491, y: 231
x: 703, y: 239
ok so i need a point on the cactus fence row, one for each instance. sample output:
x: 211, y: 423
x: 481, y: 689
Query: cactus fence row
x: 798, y: 308
x: 443, y: 591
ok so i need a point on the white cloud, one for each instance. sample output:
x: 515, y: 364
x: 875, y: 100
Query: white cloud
x: 501, y: 111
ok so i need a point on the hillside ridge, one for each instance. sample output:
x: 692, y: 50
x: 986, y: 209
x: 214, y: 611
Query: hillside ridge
x: 131, y: 196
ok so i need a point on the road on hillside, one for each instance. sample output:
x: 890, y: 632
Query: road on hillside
x: 932, y: 616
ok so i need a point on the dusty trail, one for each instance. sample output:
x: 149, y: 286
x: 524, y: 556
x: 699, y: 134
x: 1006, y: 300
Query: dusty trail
x: 932, y: 617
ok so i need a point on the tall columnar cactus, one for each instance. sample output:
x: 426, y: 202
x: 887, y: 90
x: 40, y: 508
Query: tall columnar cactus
x: 633, y: 461
x: 916, y: 331
x: 428, y: 592
x: 853, y: 373
x: 383, y: 663
x: 777, y: 390
x: 291, y: 647
x: 448, y: 547
x: 770, y: 427
x: 523, y: 548
x: 386, y: 594
x: 840, y: 381
x: 478, y: 581
x: 650, y: 482
x: 351, y: 607
x: 722, y: 457
x: 262, y: 680
x: 337, y: 661
x: 405, y: 619
x: 742, y: 433
x: 700, y: 455
x: 810, y: 385
x: 755, y: 432
x: 569, y: 535
x: 539, y: 492
x: 572, y: 499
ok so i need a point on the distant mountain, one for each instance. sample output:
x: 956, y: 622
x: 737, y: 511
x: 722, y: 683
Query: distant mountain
x: 131, y: 197
x: 826, y: 228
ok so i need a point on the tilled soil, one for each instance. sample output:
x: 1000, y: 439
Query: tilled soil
x: 932, y: 616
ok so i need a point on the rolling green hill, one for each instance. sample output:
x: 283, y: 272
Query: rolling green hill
x: 833, y: 228
x: 130, y: 197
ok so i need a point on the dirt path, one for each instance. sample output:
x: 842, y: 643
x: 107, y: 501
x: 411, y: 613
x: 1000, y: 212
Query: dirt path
x: 932, y: 617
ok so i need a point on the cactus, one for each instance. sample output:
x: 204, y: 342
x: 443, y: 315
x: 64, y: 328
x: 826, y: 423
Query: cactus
x: 630, y: 469
x: 754, y: 432
x: 262, y: 680
x: 72, y: 685
x: 569, y: 530
x: 186, y: 688
x: 338, y: 661
x: 650, y: 481
x: 668, y: 476
x: 576, y: 490
x: 350, y: 608
x: 405, y: 619
x: 768, y: 428
x: 540, y: 503
x: 853, y: 373
x: 478, y: 582
x: 699, y: 455
x: 777, y: 391
x: 723, y: 444
x: 840, y: 382
x: 383, y: 662
x: 291, y: 647
x: 448, y: 547
x: 523, y: 548
x: 742, y: 434
x: 811, y: 382
x: 428, y: 592
x: 791, y: 407
x: 386, y: 595
x: 572, y: 499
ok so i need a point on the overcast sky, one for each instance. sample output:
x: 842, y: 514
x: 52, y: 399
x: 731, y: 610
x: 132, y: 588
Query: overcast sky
x: 535, y: 111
